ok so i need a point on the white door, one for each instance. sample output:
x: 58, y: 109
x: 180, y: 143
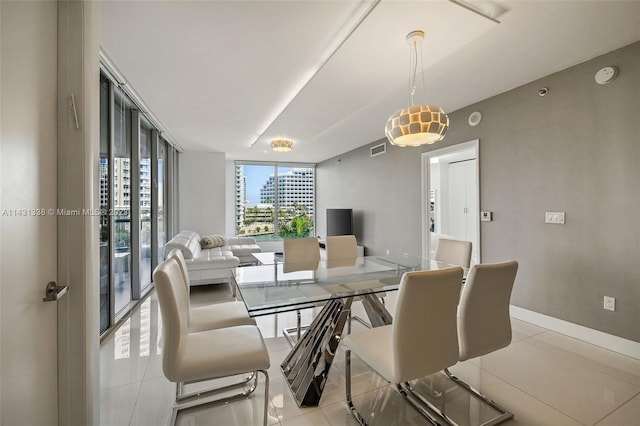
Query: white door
x: 28, y: 235
x: 457, y: 197
x: 451, y: 196
x: 49, y: 351
x: 462, y: 202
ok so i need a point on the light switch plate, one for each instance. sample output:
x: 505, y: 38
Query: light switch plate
x: 554, y: 217
x: 609, y: 303
x: 486, y: 216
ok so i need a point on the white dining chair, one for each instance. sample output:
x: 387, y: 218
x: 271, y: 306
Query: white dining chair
x: 453, y: 252
x: 299, y: 254
x: 422, y: 339
x: 341, y: 247
x: 484, y: 324
x: 193, y: 357
x: 216, y: 315
x: 342, y: 250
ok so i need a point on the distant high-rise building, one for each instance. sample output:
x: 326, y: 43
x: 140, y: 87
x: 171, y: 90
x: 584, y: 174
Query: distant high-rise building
x: 295, y: 188
x: 122, y: 185
x: 241, y: 195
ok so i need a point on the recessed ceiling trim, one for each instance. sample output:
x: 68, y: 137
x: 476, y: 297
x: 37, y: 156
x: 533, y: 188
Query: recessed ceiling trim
x: 112, y: 71
x: 475, y: 9
x: 312, y: 74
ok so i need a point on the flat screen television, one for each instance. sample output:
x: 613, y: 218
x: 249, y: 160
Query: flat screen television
x: 339, y: 222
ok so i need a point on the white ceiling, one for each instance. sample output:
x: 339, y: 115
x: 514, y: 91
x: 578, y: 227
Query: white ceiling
x: 228, y: 76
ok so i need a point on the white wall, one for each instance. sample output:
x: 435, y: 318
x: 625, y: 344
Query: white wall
x: 202, y: 192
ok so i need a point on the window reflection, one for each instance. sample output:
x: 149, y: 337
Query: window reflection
x: 145, y: 327
x: 122, y: 341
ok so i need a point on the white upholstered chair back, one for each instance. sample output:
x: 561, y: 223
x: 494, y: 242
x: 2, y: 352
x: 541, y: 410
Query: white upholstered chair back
x: 484, y: 324
x: 179, y: 257
x: 301, y: 254
x: 341, y: 247
x: 454, y: 252
x: 173, y: 298
x: 424, y: 328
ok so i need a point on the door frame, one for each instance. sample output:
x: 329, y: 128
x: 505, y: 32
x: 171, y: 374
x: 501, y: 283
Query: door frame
x: 426, y: 184
x: 78, y: 251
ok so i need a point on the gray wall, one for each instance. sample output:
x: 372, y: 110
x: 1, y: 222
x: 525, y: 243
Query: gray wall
x: 576, y: 150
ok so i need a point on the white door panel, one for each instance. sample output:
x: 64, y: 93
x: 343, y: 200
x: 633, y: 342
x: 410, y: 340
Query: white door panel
x: 28, y: 235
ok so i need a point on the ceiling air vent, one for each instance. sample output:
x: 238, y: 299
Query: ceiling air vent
x: 379, y: 149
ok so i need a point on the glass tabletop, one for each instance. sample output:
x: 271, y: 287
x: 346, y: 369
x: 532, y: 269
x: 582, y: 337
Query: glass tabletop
x: 272, y: 288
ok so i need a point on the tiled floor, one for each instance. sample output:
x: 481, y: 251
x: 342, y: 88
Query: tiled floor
x: 544, y: 378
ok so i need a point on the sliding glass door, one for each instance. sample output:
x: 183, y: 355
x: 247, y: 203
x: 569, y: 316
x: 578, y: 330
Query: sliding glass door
x: 133, y: 179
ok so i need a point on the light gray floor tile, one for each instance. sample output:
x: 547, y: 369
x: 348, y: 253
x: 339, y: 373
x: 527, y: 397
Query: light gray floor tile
x: 544, y: 378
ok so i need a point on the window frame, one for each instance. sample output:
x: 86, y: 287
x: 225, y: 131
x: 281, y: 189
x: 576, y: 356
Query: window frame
x: 276, y: 166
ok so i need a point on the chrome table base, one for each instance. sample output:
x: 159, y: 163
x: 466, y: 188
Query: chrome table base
x: 307, y: 366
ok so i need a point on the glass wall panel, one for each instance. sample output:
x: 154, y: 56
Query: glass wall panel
x: 296, y: 201
x: 131, y: 227
x: 121, y: 187
x: 145, y: 206
x: 274, y: 201
x: 103, y: 171
x: 161, y: 194
x: 255, y: 201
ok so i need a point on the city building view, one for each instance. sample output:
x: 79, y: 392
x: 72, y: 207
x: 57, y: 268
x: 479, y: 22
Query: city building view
x: 274, y: 201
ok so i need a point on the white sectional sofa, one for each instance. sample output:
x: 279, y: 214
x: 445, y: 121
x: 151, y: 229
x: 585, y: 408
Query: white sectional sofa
x: 211, y: 265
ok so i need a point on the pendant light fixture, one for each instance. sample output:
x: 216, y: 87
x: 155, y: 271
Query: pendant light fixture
x: 281, y: 145
x: 417, y: 124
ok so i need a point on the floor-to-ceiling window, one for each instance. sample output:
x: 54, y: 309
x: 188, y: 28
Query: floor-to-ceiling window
x: 134, y: 207
x: 144, y: 205
x: 104, y: 176
x: 274, y: 200
x: 121, y: 189
x: 161, y: 198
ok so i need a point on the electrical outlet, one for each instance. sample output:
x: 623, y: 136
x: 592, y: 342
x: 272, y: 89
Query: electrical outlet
x: 609, y: 303
x: 554, y: 217
x: 486, y: 216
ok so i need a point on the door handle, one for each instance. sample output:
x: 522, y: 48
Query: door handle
x: 54, y: 291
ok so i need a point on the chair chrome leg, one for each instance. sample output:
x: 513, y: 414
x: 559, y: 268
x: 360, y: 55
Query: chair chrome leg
x: 426, y: 408
x: 181, y: 397
x: 347, y: 376
x: 266, y: 397
x: 504, y: 414
x: 207, y: 403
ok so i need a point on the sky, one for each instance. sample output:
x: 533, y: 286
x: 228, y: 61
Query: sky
x: 257, y: 175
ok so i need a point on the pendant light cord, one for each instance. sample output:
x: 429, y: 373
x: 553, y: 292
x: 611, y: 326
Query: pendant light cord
x: 413, y: 71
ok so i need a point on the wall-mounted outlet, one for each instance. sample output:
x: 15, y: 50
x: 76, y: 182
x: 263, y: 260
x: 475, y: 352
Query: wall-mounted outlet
x: 486, y: 216
x: 609, y: 303
x: 554, y: 217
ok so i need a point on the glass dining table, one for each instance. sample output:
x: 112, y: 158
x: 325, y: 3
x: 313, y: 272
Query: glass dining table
x: 274, y: 287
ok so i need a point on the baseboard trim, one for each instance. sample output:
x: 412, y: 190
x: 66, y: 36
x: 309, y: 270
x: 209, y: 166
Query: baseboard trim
x: 589, y: 335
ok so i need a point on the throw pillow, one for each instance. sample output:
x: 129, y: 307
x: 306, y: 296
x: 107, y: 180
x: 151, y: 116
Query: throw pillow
x: 212, y: 241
